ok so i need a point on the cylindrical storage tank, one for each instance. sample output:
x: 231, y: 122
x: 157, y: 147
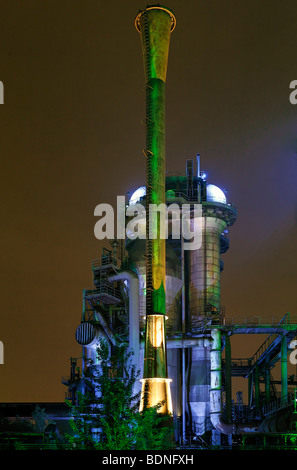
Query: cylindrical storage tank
x: 204, y: 272
x: 136, y: 262
x: 199, y: 386
x: 204, y: 302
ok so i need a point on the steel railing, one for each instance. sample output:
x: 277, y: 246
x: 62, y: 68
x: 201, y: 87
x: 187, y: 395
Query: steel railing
x: 259, y: 320
x: 106, y: 260
x: 280, y: 403
x: 103, y: 288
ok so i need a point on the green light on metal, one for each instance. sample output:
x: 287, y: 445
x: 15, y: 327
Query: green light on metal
x: 155, y: 25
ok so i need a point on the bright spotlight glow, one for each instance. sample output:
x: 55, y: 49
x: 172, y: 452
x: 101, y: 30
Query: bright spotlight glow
x: 139, y: 193
x: 215, y: 194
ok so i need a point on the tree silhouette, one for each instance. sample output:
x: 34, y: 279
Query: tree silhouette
x: 107, y: 415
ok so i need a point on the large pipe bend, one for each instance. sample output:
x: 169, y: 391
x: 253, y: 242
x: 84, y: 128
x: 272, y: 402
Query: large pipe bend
x: 133, y: 282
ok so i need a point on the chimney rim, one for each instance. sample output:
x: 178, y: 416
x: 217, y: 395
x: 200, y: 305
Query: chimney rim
x: 155, y: 7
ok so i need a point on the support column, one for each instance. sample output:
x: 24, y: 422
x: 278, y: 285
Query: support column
x: 250, y: 389
x: 267, y: 385
x: 257, y: 387
x: 228, y: 379
x: 284, y: 370
x: 184, y: 385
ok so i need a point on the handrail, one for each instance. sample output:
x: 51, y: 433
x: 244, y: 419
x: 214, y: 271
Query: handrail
x: 268, y: 342
x: 259, y: 320
x: 280, y: 403
x: 104, y: 288
x: 106, y: 260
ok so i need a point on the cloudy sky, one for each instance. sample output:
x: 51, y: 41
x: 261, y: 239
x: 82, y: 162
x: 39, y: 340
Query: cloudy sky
x: 72, y: 135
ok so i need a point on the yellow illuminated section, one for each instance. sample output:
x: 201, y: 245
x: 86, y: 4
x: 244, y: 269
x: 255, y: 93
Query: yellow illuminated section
x: 156, y: 335
x: 156, y: 391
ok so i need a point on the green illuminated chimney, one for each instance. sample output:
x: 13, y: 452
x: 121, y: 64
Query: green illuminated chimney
x: 155, y: 25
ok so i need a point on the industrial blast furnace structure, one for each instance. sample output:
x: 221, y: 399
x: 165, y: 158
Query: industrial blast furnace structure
x: 163, y: 301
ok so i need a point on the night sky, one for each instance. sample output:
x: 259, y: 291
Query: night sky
x: 72, y: 137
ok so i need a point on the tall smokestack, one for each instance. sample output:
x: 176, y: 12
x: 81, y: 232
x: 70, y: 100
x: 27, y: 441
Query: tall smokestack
x: 155, y: 24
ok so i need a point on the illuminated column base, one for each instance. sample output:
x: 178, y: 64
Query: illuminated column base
x: 153, y: 392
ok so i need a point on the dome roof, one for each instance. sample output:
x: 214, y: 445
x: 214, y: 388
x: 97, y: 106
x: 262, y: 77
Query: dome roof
x: 215, y: 194
x: 137, y: 195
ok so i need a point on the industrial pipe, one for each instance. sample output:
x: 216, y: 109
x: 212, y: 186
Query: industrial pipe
x: 106, y: 328
x: 88, y: 335
x: 215, y: 391
x: 228, y: 379
x: 133, y: 286
x: 284, y: 369
x: 216, y: 385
